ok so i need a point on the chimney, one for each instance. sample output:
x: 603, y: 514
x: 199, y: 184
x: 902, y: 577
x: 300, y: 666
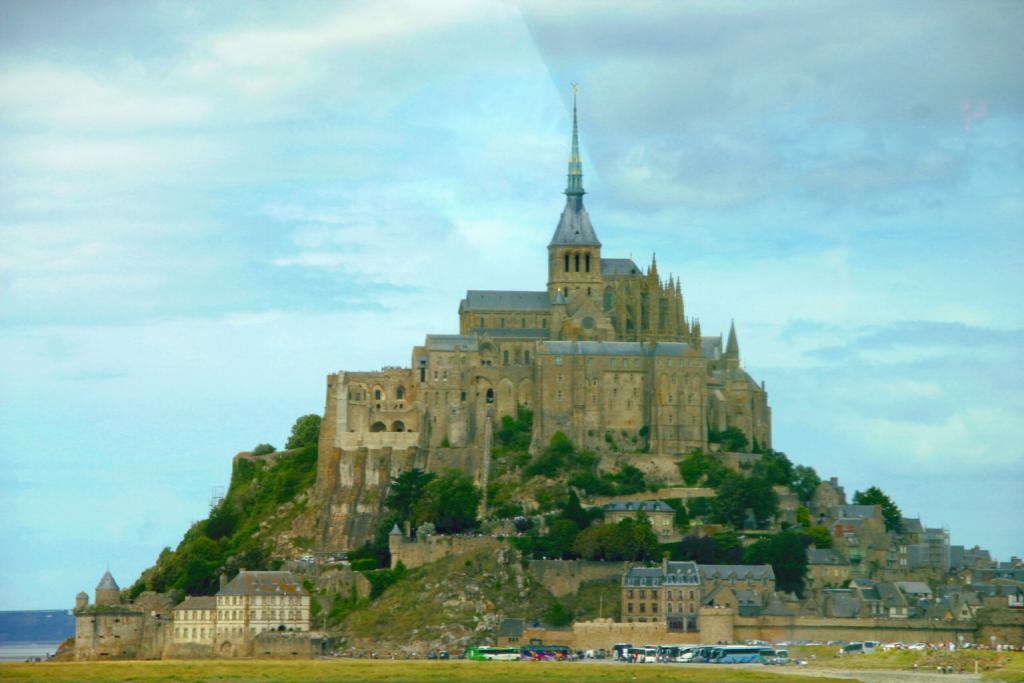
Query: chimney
x: 834, y: 481
x: 223, y: 580
x: 407, y: 528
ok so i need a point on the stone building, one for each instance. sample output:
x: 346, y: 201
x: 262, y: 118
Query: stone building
x: 604, y: 352
x: 675, y: 592
x: 660, y: 514
x: 112, y: 629
x: 253, y: 603
x: 195, y: 619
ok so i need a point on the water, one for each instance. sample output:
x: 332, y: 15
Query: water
x: 19, y: 652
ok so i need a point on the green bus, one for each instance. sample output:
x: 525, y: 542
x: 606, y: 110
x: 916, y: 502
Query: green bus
x: 486, y: 652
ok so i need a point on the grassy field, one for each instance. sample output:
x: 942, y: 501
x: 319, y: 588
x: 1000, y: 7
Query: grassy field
x: 237, y: 671
x: 1005, y: 664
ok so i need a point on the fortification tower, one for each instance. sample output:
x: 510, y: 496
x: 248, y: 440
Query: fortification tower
x: 574, y: 254
x: 107, y: 591
x: 81, y: 600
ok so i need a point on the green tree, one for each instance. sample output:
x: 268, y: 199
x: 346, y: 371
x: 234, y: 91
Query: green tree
x: 775, y: 467
x: 450, y: 502
x: 732, y: 439
x: 557, y: 615
x: 559, y: 541
x: 735, y: 495
x: 803, y: 516
x: 629, y: 539
x: 890, y: 513
x: 787, y: 555
x: 305, y: 431
x: 406, y: 490
x: 819, y: 536
x: 805, y: 482
x: 263, y: 449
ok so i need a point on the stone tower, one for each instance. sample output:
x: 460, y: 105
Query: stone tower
x: 574, y: 254
x: 81, y: 600
x: 107, y: 591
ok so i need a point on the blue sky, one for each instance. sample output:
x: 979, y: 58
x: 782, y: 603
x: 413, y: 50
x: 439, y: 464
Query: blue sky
x: 205, y: 208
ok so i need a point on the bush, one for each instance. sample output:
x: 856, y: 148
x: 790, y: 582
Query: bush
x: 305, y: 431
x: 364, y: 564
x: 263, y: 449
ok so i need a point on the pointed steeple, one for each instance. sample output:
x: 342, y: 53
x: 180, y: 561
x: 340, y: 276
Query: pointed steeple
x: 732, y: 347
x: 653, y: 272
x: 574, y: 186
x: 574, y: 227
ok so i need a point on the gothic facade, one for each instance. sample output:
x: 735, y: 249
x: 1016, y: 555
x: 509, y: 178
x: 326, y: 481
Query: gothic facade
x: 605, y: 353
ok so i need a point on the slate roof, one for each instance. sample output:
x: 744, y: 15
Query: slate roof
x: 619, y: 266
x: 635, y: 505
x: 711, y: 347
x: 520, y: 332
x: 643, y: 576
x: 912, y: 525
x: 740, y: 571
x: 263, y: 583
x: 197, y: 602
x: 607, y: 348
x: 682, y: 573
x: 107, y: 582
x: 913, y: 587
x: 451, y: 342
x: 574, y: 227
x: 775, y: 608
x: 825, y: 556
x: 843, y: 604
x: 502, y: 300
x: 857, y: 511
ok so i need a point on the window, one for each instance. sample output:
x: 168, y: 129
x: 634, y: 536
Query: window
x: 567, y: 263
x: 629, y: 608
x: 400, y: 393
x: 558, y: 360
x: 526, y: 357
x: 577, y: 263
x: 505, y: 357
x: 643, y: 607
x: 588, y: 269
x: 523, y: 324
x: 503, y: 322
x: 376, y: 394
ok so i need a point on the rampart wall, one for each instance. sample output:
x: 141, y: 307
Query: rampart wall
x: 415, y: 553
x: 564, y: 577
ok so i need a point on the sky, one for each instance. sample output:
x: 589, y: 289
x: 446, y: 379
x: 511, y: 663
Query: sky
x: 205, y: 208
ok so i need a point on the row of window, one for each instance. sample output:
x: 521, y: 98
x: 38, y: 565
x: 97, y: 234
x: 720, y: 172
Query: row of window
x: 524, y: 323
x: 575, y: 261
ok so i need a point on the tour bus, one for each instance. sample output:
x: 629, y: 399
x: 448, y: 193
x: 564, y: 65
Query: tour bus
x: 673, y: 653
x: 852, y: 649
x: 648, y: 654
x: 545, y: 652
x: 619, y: 650
x: 739, y: 654
x: 484, y: 652
x: 702, y: 653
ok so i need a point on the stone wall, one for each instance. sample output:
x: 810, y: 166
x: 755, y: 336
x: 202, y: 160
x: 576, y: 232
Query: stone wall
x: 564, y: 577
x: 415, y: 553
x: 271, y: 645
x: 684, y: 492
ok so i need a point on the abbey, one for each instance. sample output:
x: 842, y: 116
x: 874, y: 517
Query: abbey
x: 605, y: 352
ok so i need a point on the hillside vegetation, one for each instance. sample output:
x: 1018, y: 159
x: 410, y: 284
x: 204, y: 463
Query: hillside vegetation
x: 262, y: 500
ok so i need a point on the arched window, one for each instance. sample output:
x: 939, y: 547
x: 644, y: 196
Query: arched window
x: 400, y: 393
x: 587, y: 258
x: 504, y: 357
x: 377, y: 394
x: 567, y: 263
x: 490, y: 395
x: 398, y: 426
x: 378, y: 427
x: 577, y: 263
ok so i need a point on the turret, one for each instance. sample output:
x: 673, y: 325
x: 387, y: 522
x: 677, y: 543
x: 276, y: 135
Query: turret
x: 732, y: 347
x: 574, y: 253
x: 81, y: 600
x: 107, y: 591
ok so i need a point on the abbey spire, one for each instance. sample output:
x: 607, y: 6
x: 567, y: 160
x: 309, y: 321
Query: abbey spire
x: 732, y: 346
x: 574, y: 228
x: 574, y: 184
